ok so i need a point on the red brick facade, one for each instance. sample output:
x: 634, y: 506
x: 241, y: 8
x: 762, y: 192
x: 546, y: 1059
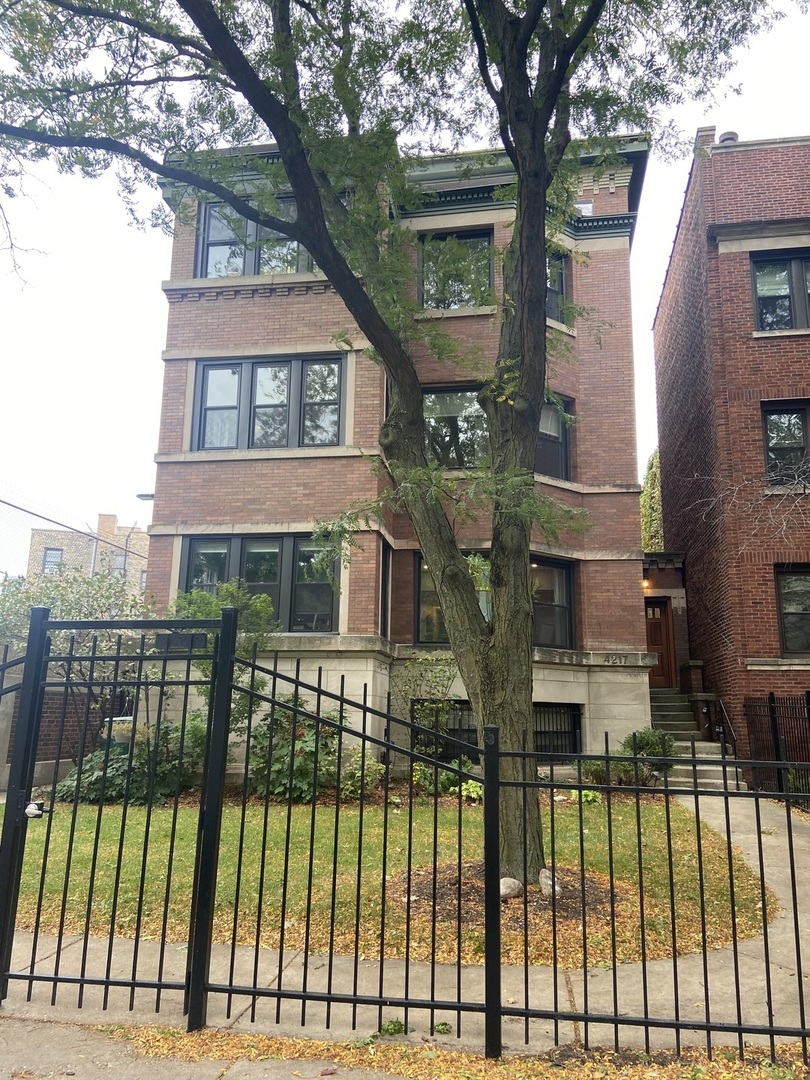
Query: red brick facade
x: 255, y: 492
x: 715, y: 370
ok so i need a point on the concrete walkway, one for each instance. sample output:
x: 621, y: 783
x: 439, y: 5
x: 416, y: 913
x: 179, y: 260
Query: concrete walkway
x: 695, y: 988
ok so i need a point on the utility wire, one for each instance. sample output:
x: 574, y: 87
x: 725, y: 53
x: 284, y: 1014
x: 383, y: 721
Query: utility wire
x: 71, y: 528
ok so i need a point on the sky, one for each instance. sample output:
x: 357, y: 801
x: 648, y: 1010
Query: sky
x: 83, y: 317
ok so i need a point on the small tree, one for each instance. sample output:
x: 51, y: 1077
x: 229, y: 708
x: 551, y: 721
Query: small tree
x: 69, y: 594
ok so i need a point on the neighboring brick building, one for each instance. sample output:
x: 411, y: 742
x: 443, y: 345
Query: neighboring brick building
x: 120, y: 548
x: 732, y: 345
x: 268, y: 426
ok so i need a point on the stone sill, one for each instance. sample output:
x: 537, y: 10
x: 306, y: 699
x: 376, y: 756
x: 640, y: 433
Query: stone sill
x: 800, y: 332
x: 300, y: 453
x: 783, y: 663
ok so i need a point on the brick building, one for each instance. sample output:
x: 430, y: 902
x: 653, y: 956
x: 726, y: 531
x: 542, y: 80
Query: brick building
x: 268, y: 426
x: 732, y: 346
x: 120, y: 548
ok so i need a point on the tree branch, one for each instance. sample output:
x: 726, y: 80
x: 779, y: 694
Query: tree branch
x: 496, y: 94
x: 528, y: 25
x: 186, y: 177
x: 179, y: 41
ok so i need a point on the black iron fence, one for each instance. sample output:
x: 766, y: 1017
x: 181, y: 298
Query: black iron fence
x: 224, y: 838
x: 779, y: 731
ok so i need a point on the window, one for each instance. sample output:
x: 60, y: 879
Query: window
x: 556, y: 729
x: 431, y: 627
x: 455, y: 428
x: 786, y: 443
x: 118, y: 563
x: 556, y: 266
x: 456, y: 433
x: 456, y: 269
x: 268, y: 403
x: 551, y: 594
x: 143, y: 581
x: 781, y: 288
x: 553, y: 613
x: 552, y: 457
x: 52, y: 560
x: 793, y: 598
x: 304, y: 599
x: 231, y: 246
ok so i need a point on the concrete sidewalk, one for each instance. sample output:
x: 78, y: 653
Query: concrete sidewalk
x: 38, y: 1050
x: 695, y: 988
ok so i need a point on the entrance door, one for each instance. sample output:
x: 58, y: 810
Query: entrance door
x: 660, y: 642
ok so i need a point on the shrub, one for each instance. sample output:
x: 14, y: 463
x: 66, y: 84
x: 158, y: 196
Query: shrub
x: 358, y: 776
x: 439, y: 779
x: 648, y: 743
x: 151, y: 769
x: 293, y: 754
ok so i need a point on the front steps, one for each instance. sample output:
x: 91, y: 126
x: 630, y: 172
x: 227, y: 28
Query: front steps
x: 702, y: 766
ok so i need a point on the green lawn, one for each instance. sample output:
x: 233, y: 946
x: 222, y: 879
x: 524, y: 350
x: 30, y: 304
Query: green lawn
x: 138, y: 892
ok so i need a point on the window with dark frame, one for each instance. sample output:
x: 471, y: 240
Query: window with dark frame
x: 455, y: 270
x: 442, y: 726
x: 230, y: 246
x: 556, y: 292
x: 456, y: 432
x: 551, y: 598
x: 793, y: 603
x: 269, y: 403
x: 455, y: 428
x: 281, y: 567
x: 782, y: 291
x: 553, y: 456
x: 52, y: 560
x: 785, y: 436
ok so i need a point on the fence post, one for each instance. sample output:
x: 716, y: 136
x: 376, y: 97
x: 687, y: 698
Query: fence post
x: 20, y: 779
x: 205, y: 872
x: 777, y: 742
x: 493, y: 1047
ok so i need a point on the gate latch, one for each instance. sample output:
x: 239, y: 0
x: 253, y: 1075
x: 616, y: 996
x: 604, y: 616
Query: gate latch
x: 36, y: 809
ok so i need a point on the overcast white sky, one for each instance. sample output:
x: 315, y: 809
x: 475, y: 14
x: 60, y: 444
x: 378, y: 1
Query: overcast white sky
x: 82, y: 323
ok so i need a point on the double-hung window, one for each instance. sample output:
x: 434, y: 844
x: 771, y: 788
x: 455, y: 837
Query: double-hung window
x: 52, y: 560
x: 551, y: 598
x: 282, y: 567
x: 229, y: 245
x: 553, y: 457
x: 456, y: 269
x: 786, y: 429
x: 556, y: 267
x: 284, y: 402
x: 118, y: 564
x: 793, y: 599
x: 782, y: 291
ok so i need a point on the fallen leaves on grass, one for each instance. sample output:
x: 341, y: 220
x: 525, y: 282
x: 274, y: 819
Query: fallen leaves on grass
x: 429, y: 1062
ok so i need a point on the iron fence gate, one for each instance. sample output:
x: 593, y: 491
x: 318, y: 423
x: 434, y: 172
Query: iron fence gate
x: 230, y: 843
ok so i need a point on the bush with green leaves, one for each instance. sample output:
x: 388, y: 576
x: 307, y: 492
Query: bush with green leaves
x: 440, y: 779
x: 292, y: 752
x: 158, y: 764
x: 639, y: 745
x: 648, y: 743
x: 360, y: 773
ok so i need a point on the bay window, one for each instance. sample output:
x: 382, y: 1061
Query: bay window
x: 268, y: 403
x: 281, y: 567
